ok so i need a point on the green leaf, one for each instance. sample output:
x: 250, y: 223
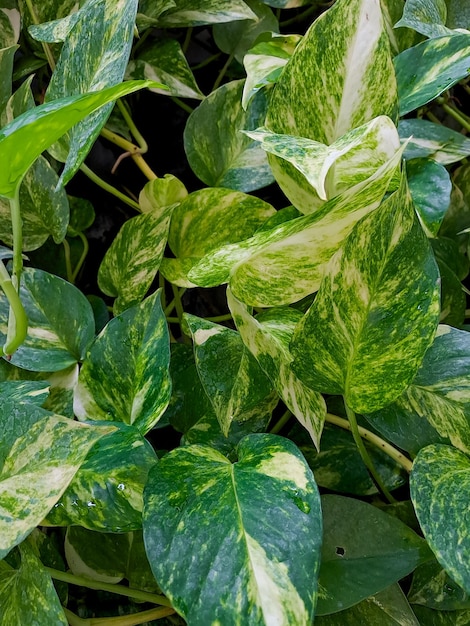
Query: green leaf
x: 106, y: 493
x: 161, y: 193
x: 60, y: 322
x: 10, y: 26
x: 6, y: 70
x: 39, y: 455
x: 125, y: 375
x: 261, y: 555
x: 32, y: 391
x: 458, y: 14
x: 375, y: 314
x: 230, y: 375
x: 94, y: 55
x: 267, y: 337
x: 430, y: 617
x: 364, y: 551
x: 200, y: 12
x: 331, y: 170
x: 439, y: 485
x: 23, y: 140
x: 164, y: 62
x: 218, y: 153
x: 236, y: 38
x: 339, y: 77
x: 432, y: 587
x: 430, y: 188
x: 27, y: 594
x: 430, y: 68
x: 387, y: 608
x: 434, y: 141
x: 427, y: 17
x: 260, y: 269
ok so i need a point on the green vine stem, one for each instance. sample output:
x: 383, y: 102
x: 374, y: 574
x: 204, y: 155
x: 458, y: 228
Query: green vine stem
x: 109, y: 188
x: 82, y: 258
x: 455, y: 113
x: 45, y: 46
x: 17, y: 322
x: 365, y: 455
x: 223, y: 71
x: 282, y: 421
x: 68, y: 261
x: 135, y: 619
x: 143, y: 146
x: 134, y: 152
x: 121, y: 590
x: 374, y: 439
x: 182, y: 105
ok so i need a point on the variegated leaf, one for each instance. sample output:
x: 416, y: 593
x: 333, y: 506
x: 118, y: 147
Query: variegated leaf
x: 164, y: 62
x: 433, y: 587
x: 199, y: 12
x: 39, y: 455
x: 364, y: 551
x: 161, y: 193
x: 434, y: 141
x: 23, y: 139
x: 375, y: 314
x: 10, y: 27
x: 218, y: 153
x: 31, y: 391
x: 264, y: 63
x: 149, y: 11
x: 260, y: 269
x: 60, y: 322
x: 94, y: 56
x: 238, y: 37
x: 125, y: 375
x: 27, y: 594
x: 440, y: 487
x: 330, y: 170
x: 262, y: 555
x: 433, y: 66
x: 339, y: 77
x: 458, y: 14
x: 6, y: 70
x: 430, y: 187
x: 286, y: 4
x: 55, y: 31
x: 106, y: 492
x: 267, y: 337
x: 232, y: 379
x: 427, y: 17
x: 400, y: 38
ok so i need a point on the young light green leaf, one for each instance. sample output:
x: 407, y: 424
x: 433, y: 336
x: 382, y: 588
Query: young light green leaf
x: 218, y: 153
x: 332, y: 169
x: 106, y: 492
x: 60, y: 322
x: 164, y: 62
x: 200, y: 12
x: 430, y: 187
x: 161, y: 193
x: 125, y: 375
x: 27, y: 594
x: 439, y: 485
x: 375, y: 314
x: 39, y: 455
x: 267, y: 337
x: 262, y: 555
x: 237, y: 389
x: 427, y: 17
x: 23, y: 140
x: 260, y: 269
x: 434, y: 141
x: 364, y: 551
x: 339, y: 77
x: 433, y: 66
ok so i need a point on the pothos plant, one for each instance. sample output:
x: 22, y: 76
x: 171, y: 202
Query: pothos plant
x: 298, y: 450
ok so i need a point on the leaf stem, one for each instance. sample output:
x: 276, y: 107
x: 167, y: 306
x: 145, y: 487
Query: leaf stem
x: 299, y: 18
x: 455, y: 113
x: 83, y: 256
x: 177, y: 293
x: 374, y: 439
x: 68, y: 263
x: 16, y: 333
x: 109, y: 188
x: 282, y: 421
x: 365, y: 455
x: 123, y: 620
x: 134, y: 151
x: 143, y: 146
x: 223, y: 71
x: 182, y: 105
x: 121, y: 590
x: 45, y: 46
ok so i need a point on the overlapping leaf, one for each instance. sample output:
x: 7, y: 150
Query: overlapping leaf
x: 199, y: 12
x: 7, y: 55
x: 440, y: 487
x: 10, y: 25
x: 434, y: 141
x: 262, y: 555
x: 433, y: 587
x: 268, y: 337
x: 430, y: 188
x: 375, y: 314
x: 427, y: 17
x: 125, y: 375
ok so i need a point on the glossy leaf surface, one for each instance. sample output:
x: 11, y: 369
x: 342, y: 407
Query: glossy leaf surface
x: 427, y: 17
x: 262, y: 566
x: 435, y: 141
x: 430, y: 186
x: 199, y: 12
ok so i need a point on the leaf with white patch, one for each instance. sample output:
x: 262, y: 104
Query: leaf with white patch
x: 426, y: 139
x: 164, y: 62
x: 200, y: 12
x: 39, y: 455
x: 7, y: 55
x: 330, y: 170
x: 440, y: 487
x: 262, y: 554
x: 427, y: 17
x: 27, y: 594
x: 125, y: 375
x: 430, y: 68
x: 260, y: 269
x: 60, y: 322
x: 94, y: 56
x: 32, y: 391
x: 106, y: 492
x: 339, y: 77
x: 218, y: 153
x: 267, y: 337
x: 375, y: 314
x: 232, y: 379
x: 161, y: 193
x: 430, y: 187
x: 10, y: 27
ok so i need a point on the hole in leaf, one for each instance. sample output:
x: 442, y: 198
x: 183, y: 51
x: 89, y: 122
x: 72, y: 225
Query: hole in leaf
x: 339, y: 551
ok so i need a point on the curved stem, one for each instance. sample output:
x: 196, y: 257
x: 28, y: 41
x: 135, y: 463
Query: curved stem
x: 455, y: 113
x: 365, y: 455
x: 282, y: 421
x: 68, y: 263
x: 123, y: 620
x: 223, y: 71
x: 143, y: 146
x: 45, y: 46
x: 16, y: 331
x: 134, y: 151
x: 82, y: 258
x: 109, y: 188
x: 182, y: 105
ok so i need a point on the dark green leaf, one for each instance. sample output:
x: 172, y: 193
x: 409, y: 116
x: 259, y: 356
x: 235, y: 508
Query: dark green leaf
x: 433, y: 587
x: 430, y: 188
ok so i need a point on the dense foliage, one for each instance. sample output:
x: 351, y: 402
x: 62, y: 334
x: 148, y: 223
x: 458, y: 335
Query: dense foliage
x: 236, y: 392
